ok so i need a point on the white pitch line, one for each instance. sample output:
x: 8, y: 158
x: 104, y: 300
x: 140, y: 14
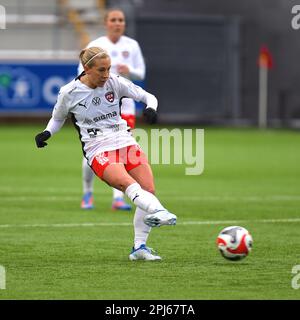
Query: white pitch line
x: 70, y: 194
x: 65, y: 225
x: 186, y: 198
x: 126, y: 224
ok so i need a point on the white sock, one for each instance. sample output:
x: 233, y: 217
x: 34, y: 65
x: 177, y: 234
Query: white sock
x: 143, y: 199
x: 141, y: 230
x: 117, y: 194
x: 87, y: 177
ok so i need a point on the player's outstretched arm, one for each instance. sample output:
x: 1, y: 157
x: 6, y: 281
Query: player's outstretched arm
x: 150, y: 112
x: 128, y: 89
x: 52, y: 127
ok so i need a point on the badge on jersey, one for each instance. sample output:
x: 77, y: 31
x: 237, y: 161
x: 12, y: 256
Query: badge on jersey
x: 110, y: 96
x: 125, y: 54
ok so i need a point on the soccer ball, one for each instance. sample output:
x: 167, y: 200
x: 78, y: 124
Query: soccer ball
x: 234, y: 242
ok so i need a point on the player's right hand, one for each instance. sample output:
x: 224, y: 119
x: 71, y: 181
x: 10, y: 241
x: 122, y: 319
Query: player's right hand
x: 41, y: 138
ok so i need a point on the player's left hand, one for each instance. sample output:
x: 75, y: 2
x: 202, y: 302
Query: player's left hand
x: 150, y: 115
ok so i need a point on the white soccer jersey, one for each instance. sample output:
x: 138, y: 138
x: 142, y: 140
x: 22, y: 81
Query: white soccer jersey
x: 96, y: 113
x: 125, y: 51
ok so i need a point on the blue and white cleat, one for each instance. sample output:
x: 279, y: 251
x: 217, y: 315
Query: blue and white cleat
x: 120, y: 204
x: 160, y: 218
x: 87, y: 201
x: 143, y: 253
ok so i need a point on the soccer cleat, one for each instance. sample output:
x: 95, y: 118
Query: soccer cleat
x: 87, y: 201
x: 160, y: 218
x: 143, y: 253
x: 120, y: 204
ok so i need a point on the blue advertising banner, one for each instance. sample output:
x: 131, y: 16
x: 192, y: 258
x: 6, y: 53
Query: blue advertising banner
x: 33, y: 87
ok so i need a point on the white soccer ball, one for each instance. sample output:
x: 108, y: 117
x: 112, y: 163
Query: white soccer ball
x: 234, y: 242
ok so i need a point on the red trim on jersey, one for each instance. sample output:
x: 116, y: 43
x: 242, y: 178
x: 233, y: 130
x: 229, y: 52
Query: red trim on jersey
x: 131, y: 156
x: 130, y: 119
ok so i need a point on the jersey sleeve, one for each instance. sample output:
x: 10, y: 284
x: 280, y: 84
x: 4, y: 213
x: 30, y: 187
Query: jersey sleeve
x: 138, y: 70
x: 128, y: 89
x: 60, y: 110
x: 54, y: 126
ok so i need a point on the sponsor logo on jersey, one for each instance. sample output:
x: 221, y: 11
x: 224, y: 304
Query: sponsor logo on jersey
x: 96, y: 101
x: 117, y: 127
x: 83, y: 104
x: 106, y: 116
x: 110, y: 96
x: 88, y: 121
x: 94, y: 132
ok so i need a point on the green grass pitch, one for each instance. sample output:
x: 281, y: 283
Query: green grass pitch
x: 51, y: 249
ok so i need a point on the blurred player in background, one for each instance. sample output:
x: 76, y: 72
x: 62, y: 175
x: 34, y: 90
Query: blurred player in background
x: 114, y: 155
x: 127, y: 61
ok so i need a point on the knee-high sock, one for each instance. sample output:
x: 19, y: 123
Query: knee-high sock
x: 141, y: 230
x: 87, y: 177
x: 143, y: 199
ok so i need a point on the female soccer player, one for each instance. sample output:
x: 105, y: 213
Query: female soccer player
x: 92, y: 100
x: 126, y: 60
